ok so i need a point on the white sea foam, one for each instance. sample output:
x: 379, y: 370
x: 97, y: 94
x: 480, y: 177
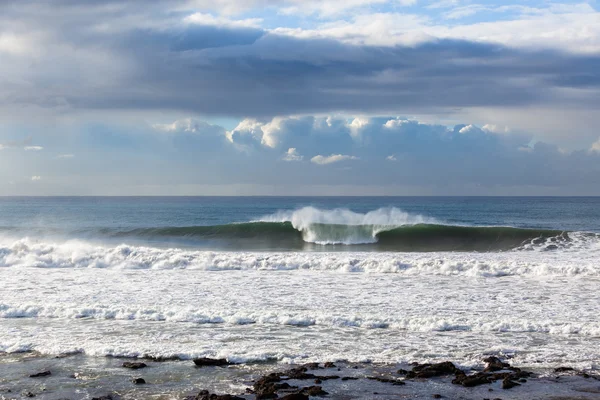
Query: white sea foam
x: 345, y: 226
x: 298, y: 315
x: 77, y: 254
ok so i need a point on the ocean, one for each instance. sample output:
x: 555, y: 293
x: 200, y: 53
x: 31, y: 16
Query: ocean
x: 302, y: 279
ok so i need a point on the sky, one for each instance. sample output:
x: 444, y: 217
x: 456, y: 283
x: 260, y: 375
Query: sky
x: 299, y: 97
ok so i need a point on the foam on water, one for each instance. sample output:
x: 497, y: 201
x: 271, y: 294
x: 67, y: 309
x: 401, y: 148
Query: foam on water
x: 578, y: 259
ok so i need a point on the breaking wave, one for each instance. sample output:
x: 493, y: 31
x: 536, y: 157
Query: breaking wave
x: 386, y: 229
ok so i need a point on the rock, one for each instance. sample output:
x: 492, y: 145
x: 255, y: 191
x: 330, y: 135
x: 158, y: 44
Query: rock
x: 267, y: 386
x: 211, y: 362
x: 300, y: 374
x: 349, y: 378
x: 314, y: 391
x: 563, y: 369
x: 28, y: 394
x: 134, y: 365
x: 311, y: 366
x: 402, y: 372
x: 318, y: 381
x: 138, y: 381
x: 508, y: 384
x: 437, y: 396
x: 206, y: 395
x: 40, y: 374
x: 477, y: 379
x: 295, y: 396
x: 329, y: 365
x: 432, y: 370
x: 495, y: 364
x: 107, y: 397
x: 395, y: 382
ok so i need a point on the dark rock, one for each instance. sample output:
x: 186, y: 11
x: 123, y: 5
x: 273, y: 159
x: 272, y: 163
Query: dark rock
x: 107, y: 397
x: 563, y: 369
x: 138, y: 381
x: 494, y: 364
x: 314, y: 391
x: 508, y: 384
x: 523, y: 380
x: 471, y: 380
x: 295, y: 396
x: 300, y: 374
x: 267, y: 386
x: 40, y: 374
x: 318, y: 381
x: 437, y: 396
x: 134, y: 365
x: 349, y: 378
x: 329, y: 365
x: 432, y: 370
x: 206, y: 395
x: 395, y: 382
x: 211, y: 362
x: 311, y: 366
x: 402, y: 372
x: 28, y: 394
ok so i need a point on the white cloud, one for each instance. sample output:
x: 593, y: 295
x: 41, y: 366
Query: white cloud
x: 331, y: 8
x: 269, y: 134
x: 467, y: 129
x: 356, y: 125
x: 36, y: 178
x: 596, y: 146
x: 211, y: 20
x: 391, y: 158
x: 334, y: 158
x: 65, y: 156
x: 394, y: 123
x: 33, y: 148
x: 574, y: 29
x: 496, y: 128
x: 292, y: 155
x: 181, y: 125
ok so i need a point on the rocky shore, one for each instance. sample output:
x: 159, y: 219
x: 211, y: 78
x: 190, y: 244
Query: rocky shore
x: 80, y: 377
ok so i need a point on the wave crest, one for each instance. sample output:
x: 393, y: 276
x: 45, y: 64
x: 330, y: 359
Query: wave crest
x: 343, y: 226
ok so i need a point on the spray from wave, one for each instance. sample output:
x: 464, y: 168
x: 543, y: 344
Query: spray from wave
x: 343, y: 226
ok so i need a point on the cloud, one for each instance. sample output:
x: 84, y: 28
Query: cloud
x: 36, y: 178
x: 115, y: 60
x: 334, y: 158
x: 208, y: 19
x: 391, y: 158
x: 596, y: 146
x: 292, y: 155
x: 33, y: 148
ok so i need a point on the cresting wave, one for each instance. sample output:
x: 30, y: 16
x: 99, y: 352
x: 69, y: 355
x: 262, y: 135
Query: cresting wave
x: 419, y: 237
x: 580, y: 260
x: 385, y: 229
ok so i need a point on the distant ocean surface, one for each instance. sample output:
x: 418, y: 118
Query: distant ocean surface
x: 301, y: 279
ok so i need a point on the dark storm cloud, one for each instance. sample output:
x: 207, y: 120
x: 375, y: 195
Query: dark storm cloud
x: 157, y: 61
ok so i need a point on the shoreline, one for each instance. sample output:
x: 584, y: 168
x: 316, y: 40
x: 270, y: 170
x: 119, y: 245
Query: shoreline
x: 77, y: 376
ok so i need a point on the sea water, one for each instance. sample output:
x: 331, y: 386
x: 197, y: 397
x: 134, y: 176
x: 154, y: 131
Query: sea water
x: 294, y: 280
